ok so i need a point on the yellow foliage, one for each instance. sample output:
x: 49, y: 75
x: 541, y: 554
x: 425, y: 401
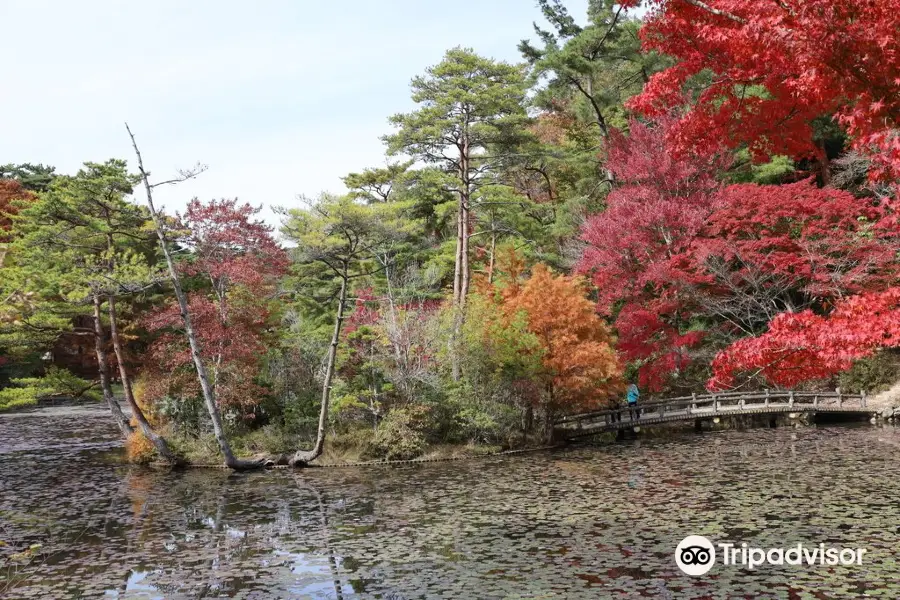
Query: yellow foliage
x: 144, y: 400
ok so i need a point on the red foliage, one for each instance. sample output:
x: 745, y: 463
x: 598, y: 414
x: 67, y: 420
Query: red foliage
x: 814, y: 58
x: 233, y: 349
x: 365, y: 312
x: 229, y: 245
x: 825, y: 242
x: 241, y: 260
x: 673, y: 246
x: 647, y: 336
x: 11, y: 194
x: 659, y: 208
x: 803, y: 346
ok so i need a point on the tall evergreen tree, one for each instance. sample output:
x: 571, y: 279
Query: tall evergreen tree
x: 469, y: 107
x: 83, y: 243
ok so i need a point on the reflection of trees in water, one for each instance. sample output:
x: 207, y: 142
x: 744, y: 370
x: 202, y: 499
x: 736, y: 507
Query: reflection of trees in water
x: 523, y: 527
x: 226, y: 534
x: 195, y: 533
x: 324, y: 536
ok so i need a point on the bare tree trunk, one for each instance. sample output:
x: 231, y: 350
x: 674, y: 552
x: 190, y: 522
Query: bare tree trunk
x: 457, y: 290
x: 461, y: 268
x: 103, y: 366
x: 466, y: 211
x: 157, y: 440
x: 548, y: 414
x: 394, y: 323
x: 457, y: 266
x: 208, y: 394
x: 492, y: 260
x: 303, y: 457
x: 824, y: 165
x: 466, y: 276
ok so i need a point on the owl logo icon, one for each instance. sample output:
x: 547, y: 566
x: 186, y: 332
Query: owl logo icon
x: 695, y: 555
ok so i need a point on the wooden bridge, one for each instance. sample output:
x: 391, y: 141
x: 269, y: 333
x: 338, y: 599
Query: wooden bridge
x: 698, y: 407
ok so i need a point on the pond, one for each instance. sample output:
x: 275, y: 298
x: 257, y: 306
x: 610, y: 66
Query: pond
x: 584, y: 522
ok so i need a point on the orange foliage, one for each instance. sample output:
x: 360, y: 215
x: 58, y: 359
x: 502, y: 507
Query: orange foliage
x: 553, y: 127
x: 138, y: 449
x: 581, y: 370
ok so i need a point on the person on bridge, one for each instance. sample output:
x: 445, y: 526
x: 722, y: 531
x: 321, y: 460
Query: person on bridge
x: 631, y: 396
x: 614, y: 406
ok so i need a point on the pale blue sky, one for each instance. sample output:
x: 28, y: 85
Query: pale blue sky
x: 278, y: 97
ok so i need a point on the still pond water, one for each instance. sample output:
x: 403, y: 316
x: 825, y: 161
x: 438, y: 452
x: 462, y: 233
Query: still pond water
x: 588, y: 522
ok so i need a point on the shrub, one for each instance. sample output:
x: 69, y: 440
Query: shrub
x: 872, y: 374
x: 488, y: 423
x: 266, y: 440
x: 400, y: 435
x: 138, y: 449
x: 61, y: 382
x: 17, y: 397
x: 26, y: 391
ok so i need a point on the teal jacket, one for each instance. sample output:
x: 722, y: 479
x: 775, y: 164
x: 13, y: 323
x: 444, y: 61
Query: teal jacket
x: 632, y: 394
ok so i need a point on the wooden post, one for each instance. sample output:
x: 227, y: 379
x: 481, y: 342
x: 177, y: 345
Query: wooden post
x: 767, y: 397
x: 662, y: 410
x: 715, y: 403
x: 791, y: 399
x: 693, y: 405
x: 862, y: 398
x: 840, y: 396
x: 741, y: 402
x: 816, y: 401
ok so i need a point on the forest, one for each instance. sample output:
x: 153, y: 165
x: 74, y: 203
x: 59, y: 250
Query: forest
x: 699, y: 195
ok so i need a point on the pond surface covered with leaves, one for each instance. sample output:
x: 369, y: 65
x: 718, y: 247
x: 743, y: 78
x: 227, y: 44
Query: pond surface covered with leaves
x: 586, y: 522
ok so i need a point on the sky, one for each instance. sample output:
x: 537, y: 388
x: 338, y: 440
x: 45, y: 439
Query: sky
x: 277, y: 97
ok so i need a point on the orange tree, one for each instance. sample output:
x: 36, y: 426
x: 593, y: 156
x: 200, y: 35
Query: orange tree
x: 580, y: 369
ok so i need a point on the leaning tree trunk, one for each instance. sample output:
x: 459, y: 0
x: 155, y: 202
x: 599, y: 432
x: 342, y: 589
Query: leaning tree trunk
x: 208, y: 394
x: 157, y: 440
x: 303, y: 457
x: 103, y: 366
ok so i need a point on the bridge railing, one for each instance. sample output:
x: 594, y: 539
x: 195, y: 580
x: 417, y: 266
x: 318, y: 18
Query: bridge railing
x: 705, y: 404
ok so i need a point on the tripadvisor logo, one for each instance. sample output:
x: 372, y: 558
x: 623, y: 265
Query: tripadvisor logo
x: 696, y: 555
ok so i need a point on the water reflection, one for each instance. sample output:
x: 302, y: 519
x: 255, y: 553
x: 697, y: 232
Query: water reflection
x: 586, y: 522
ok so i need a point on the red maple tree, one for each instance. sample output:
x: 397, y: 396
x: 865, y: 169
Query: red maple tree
x: 230, y: 245
x: 232, y: 348
x: 660, y: 205
x: 676, y: 255
x: 769, y: 249
x: 759, y: 73
x: 804, y: 346
x: 236, y: 263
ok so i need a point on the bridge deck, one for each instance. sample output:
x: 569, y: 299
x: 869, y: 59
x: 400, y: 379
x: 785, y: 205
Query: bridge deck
x: 709, y: 406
